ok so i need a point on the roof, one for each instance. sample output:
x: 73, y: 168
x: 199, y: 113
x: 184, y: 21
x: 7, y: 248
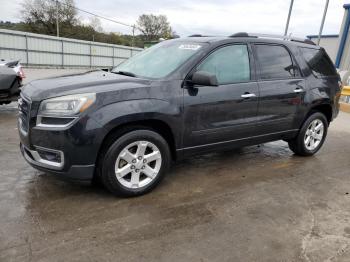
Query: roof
x: 203, y: 39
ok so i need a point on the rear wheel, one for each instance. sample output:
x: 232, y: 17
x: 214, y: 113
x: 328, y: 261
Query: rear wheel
x: 311, y: 136
x: 135, y: 163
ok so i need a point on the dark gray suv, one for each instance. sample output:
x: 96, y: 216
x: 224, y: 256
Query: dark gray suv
x: 181, y: 97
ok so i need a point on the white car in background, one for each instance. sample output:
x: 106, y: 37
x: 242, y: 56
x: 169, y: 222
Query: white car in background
x: 2, y: 62
x: 11, y: 77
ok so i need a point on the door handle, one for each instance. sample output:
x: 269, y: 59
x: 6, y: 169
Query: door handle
x: 248, y: 95
x: 298, y: 90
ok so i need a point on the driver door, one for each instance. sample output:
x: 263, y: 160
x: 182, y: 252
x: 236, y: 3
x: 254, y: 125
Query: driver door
x: 215, y: 115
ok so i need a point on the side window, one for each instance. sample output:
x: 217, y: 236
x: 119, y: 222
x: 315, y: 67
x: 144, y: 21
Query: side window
x: 230, y: 64
x: 274, y: 62
x: 319, y: 62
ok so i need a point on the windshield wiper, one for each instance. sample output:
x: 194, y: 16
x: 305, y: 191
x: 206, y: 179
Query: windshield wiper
x: 125, y: 73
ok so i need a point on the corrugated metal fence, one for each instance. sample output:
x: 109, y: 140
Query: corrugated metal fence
x: 49, y: 51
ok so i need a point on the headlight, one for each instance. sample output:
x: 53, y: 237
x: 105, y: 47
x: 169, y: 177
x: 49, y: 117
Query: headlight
x: 70, y: 105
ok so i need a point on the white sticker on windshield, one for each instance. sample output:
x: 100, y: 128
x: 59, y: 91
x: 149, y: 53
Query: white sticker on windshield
x: 189, y: 47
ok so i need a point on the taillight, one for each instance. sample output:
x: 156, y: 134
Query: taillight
x: 21, y: 73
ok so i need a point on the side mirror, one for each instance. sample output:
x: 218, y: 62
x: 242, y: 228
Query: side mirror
x: 109, y: 69
x: 203, y: 78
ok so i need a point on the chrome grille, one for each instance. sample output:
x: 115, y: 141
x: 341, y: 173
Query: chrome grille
x: 24, y: 113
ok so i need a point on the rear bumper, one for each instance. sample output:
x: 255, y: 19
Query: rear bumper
x: 12, y: 92
x: 78, y: 173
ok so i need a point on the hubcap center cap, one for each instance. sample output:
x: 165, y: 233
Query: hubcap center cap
x: 138, y: 164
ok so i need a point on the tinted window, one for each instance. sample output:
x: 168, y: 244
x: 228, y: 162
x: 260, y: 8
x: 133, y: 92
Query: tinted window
x: 319, y: 62
x: 230, y: 64
x: 274, y: 62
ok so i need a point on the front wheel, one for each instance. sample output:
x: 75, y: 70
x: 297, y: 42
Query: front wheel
x: 135, y: 163
x: 311, y: 136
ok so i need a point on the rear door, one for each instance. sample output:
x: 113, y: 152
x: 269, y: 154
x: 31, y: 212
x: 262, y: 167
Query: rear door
x: 282, y: 89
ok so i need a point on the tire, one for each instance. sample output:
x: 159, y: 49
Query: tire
x: 125, y: 170
x: 311, y: 135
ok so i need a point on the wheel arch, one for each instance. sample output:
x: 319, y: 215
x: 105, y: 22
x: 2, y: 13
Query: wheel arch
x: 325, y: 109
x: 156, y: 125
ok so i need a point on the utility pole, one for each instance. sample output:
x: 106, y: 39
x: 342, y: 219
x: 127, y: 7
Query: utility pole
x: 289, y: 14
x: 133, y: 36
x: 57, y: 20
x: 322, y: 23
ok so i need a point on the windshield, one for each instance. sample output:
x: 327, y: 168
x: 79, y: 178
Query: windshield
x: 159, y: 60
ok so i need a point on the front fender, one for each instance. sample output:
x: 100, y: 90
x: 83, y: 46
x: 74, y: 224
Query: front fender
x: 113, y: 115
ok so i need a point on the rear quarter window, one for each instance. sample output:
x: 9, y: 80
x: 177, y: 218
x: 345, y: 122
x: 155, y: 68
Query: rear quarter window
x: 319, y: 62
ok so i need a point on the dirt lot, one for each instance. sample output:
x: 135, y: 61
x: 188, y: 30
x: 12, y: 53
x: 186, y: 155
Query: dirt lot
x: 259, y: 203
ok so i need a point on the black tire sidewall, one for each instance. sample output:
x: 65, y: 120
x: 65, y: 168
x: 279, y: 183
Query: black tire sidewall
x: 304, y: 128
x: 109, y: 178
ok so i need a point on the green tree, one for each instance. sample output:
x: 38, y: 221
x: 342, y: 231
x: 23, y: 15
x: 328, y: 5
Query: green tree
x: 40, y: 15
x: 154, y: 27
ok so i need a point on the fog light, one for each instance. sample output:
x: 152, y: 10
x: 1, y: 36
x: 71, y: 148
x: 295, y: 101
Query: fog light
x: 50, y: 155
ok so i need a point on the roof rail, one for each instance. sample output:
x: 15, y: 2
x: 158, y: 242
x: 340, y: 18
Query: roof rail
x: 196, y: 35
x: 283, y: 37
x: 308, y: 41
x: 240, y: 34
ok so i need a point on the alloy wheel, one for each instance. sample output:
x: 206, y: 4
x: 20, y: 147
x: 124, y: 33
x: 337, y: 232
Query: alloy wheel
x: 138, y: 164
x: 314, y: 135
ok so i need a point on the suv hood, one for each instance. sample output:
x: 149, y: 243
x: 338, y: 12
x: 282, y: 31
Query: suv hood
x: 92, y: 81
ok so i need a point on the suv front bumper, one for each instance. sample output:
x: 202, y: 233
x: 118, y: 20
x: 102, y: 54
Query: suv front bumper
x: 80, y: 173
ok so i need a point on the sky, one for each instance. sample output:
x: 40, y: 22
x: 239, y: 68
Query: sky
x: 209, y: 17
